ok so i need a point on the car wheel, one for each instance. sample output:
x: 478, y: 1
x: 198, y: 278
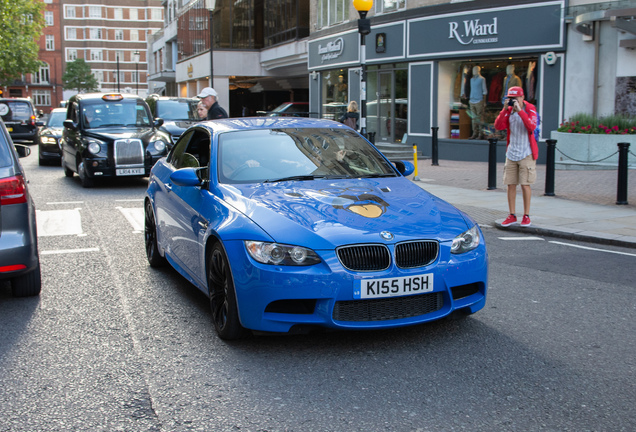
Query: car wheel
x: 67, y: 171
x: 223, y: 297
x: 28, y: 284
x: 86, y: 181
x: 150, y: 232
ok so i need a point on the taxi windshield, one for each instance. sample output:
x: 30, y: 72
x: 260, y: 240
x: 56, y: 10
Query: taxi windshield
x: 123, y: 113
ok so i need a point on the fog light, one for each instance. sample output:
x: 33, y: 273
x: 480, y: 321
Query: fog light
x: 95, y: 164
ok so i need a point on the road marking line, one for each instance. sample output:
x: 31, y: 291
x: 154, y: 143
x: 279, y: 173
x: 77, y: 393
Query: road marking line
x: 521, y: 238
x: 64, y: 251
x: 131, y: 200
x: 135, y: 217
x: 593, y: 249
x: 65, y: 202
x: 59, y: 222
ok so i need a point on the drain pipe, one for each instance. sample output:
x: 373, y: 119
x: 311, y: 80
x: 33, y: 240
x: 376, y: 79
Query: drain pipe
x: 597, y: 44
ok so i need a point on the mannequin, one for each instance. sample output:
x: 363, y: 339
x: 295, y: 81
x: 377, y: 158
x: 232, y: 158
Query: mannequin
x: 530, y: 80
x: 477, y: 101
x: 511, y: 80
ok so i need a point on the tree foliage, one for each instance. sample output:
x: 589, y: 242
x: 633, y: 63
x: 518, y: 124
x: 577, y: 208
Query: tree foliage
x: 21, y: 24
x: 78, y: 76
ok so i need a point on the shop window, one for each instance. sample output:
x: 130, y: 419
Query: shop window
x: 468, y: 119
x: 335, y: 94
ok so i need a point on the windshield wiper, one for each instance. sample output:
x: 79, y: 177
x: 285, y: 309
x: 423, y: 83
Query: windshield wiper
x: 296, y: 177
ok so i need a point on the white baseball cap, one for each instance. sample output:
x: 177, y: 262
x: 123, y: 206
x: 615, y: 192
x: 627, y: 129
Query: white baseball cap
x: 208, y: 91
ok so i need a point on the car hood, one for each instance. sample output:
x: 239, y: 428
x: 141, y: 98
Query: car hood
x: 56, y: 132
x: 328, y: 213
x: 120, y: 133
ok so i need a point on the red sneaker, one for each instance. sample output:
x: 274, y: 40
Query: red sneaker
x: 510, y: 220
x: 525, y: 222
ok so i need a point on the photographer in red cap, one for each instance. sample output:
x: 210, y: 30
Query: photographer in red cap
x: 520, y: 119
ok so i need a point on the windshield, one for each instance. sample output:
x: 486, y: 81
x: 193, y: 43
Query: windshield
x: 15, y: 110
x: 177, y: 109
x: 297, y: 154
x: 101, y: 114
x: 56, y: 119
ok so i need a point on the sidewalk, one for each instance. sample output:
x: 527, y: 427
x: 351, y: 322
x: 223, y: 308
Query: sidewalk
x: 583, y: 208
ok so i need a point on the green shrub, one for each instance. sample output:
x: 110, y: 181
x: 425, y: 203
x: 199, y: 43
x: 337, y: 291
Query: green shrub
x: 610, y: 125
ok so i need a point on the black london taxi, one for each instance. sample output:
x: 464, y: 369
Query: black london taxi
x: 110, y: 135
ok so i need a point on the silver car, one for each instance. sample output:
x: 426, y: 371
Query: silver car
x: 19, y: 259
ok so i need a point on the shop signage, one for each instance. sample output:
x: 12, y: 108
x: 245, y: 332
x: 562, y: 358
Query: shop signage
x: 332, y: 50
x: 473, y: 32
x: 190, y: 70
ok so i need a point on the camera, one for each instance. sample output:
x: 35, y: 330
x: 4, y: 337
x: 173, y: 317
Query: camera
x: 511, y: 102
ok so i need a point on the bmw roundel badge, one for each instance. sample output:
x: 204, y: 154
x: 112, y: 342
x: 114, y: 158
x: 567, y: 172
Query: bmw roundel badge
x: 386, y: 235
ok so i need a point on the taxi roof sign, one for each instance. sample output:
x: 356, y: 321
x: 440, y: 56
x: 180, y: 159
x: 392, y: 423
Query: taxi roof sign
x: 112, y: 97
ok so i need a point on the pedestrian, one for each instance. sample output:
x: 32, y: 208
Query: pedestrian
x: 202, y: 111
x: 519, y: 118
x: 209, y: 98
x: 350, y: 118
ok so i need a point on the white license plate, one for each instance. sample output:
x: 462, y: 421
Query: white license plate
x: 393, y: 287
x: 130, y: 171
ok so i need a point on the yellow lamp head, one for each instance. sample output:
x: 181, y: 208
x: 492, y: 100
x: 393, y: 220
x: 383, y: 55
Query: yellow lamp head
x: 363, y: 5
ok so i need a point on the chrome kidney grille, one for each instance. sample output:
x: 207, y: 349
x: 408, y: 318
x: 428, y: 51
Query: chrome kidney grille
x: 129, y: 152
x: 377, y: 257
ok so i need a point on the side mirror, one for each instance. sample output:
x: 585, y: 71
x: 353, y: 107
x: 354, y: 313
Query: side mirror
x: 70, y: 125
x: 158, y: 122
x: 405, y: 168
x: 185, y: 177
x: 40, y: 113
x: 22, y: 150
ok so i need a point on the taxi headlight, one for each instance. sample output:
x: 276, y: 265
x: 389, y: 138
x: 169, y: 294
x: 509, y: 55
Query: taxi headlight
x: 160, y: 145
x: 280, y: 254
x: 94, y: 147
x: 466, y: 241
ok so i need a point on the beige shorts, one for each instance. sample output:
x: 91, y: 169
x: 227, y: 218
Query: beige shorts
x: 523, y: 172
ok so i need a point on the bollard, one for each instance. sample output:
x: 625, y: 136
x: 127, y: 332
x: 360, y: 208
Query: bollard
x: 549, y: 167
x: 621, y: 192
x: 415, y: 177
x: 435, y: 149
x: 371, y: 137
x: 492, y: 163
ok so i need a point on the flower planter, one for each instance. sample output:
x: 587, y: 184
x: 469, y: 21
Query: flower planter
x: 591, y: 151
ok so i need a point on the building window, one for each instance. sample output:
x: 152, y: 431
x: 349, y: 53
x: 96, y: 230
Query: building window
x: 71, y: 54
x: 48, y: 18
x: 119, y: 34
x: 96, y: 33
x: 95, y: 11
x: 41, y: 97
x: 71, y: 33
x: 331, y: 12
x: 134, y: 35
x: 69, y: 11
x: 198, y: 46
x: 155, y: 14
x: 48, y: 1
x: 389, y: 6
x: 119, y: 55
x: 97, y: 55
x: 99, y: 76
x: 119, y: 14
x: 133, y: 15
x: 42, y: 76
x: 50, y: 43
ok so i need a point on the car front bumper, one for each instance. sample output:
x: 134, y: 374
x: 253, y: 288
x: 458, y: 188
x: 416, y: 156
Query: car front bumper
x: 279, y: 298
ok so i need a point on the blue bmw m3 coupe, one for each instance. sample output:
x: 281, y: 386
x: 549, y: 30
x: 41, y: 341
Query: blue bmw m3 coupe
x: 289, y: 224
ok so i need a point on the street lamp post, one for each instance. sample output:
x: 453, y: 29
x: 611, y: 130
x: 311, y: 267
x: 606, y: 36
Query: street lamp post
x: 364, y: 28
x: 136, y: 57
x: 118, y: 90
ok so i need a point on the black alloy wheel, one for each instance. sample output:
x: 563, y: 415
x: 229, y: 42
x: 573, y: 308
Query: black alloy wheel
x: 150, y: 235
x: 223, y: 297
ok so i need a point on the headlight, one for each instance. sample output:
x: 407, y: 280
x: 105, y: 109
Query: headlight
x: 94, y: 146
x: 279, y: 254
x: 159, y: 145
x: 48, y: 140
x: 466, y: 241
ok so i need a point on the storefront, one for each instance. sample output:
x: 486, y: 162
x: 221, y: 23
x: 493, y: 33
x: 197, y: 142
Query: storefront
x: 420, y: 70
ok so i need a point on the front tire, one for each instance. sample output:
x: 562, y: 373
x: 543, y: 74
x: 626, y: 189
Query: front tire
x: 223, y: 297
x: 86, y: 181
x: 150, y: 234
x: 28, y: 284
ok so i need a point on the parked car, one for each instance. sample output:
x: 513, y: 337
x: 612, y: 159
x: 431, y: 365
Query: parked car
x: 177, y: 113
x: 19, y: 259
x: 20, y: 119
x: 49, y: 150
x: 288, y: 109
x: 290, y: 224
x: 110, y: 135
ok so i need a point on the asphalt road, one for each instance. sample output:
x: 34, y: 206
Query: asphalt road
x: 113, y: 345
